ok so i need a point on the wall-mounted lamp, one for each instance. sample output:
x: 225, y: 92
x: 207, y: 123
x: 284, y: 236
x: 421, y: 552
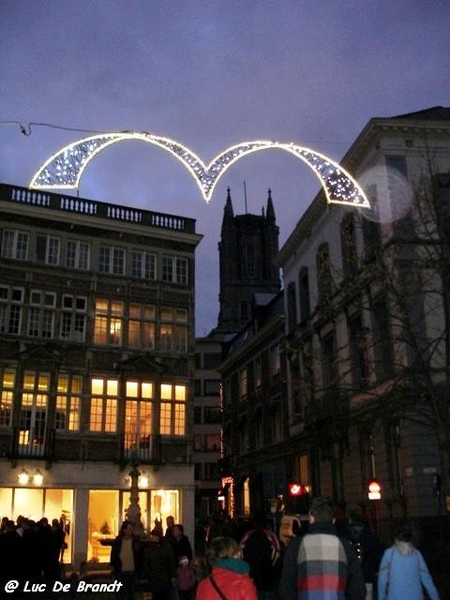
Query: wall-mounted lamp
x: 143, y: 481
x: 23, y: 477
x: 38, y: 478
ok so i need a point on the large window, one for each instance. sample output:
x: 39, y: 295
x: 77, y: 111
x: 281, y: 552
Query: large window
x: 303, y: 291
x: 348, y: 245
x: 275, y: 360
x: 78, y: 255
x: 104, y: 396
x: 108, y: 322
x: 73, y: 318
x: 243, y: 390
x: 173, y: 409
x: 15, y: 244
x: 11, y: 303
x: 111, y: 260
x: 143, y: 265
x: 141, y: 325
x: 7, y: 380
x: 41, y: 315
x: 173, y: 331
x: 68, y: 403
x: 138, y: 417
x: 324, y: 280
x: 33, y: 412
x: 174, y: 269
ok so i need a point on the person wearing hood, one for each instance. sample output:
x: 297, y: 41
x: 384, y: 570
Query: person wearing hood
x: 403, y: 571
x: 230, y: 575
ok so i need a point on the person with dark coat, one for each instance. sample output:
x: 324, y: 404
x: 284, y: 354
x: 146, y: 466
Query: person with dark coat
x: 320, y: 564
x: 261, y: 550
x: 368, y: 548
x: 125, y: 558
x: 158, y: 566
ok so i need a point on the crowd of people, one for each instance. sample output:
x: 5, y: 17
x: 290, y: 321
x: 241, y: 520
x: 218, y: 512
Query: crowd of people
x: 239, y: 563
x: 31, y: 550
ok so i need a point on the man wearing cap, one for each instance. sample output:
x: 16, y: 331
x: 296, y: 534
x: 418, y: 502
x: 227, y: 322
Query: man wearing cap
x: 320, y: 564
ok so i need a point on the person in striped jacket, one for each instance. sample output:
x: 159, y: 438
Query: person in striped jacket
x: 321, y: 565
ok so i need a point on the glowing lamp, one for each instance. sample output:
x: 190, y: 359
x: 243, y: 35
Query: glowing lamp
x: 38, y: 478
x: 23, y: 477
x: 374, y: 490
x: 296, y: 489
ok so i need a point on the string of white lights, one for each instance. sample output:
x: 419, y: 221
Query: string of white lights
x: 65, y: 168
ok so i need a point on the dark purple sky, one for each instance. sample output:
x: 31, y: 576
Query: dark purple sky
x: 211, y: 74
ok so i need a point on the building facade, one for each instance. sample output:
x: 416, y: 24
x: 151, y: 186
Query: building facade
x: 96, y: 364
x: 366, y: 296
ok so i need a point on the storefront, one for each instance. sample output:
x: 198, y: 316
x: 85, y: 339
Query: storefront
x: 91, y: 501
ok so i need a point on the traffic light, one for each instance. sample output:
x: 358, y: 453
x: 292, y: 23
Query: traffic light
x: 374, y: 490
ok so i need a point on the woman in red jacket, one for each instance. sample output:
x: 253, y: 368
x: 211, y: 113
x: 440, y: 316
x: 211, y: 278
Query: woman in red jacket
x: 229, y: 578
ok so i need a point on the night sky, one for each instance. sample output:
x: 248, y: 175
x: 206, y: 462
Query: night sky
x: 210, y: 75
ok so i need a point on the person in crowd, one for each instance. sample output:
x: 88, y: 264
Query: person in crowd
x: 368, y: 548
x: 125, y: 554
x: 170, y: 524
x: 159, y: 566
x: 185, y: 575
x: 320, y: 564
x: 261, y: 550
x: 230, y: 575
x: 403, y: 570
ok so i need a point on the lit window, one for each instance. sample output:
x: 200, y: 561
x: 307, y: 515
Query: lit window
x: 138, y: 418
x: 108, y: 322
x: 33, y: 413
x: 68, y: 403
x: 103, y: 417
x: 173, y: 409
x: 7, y: 380
x: 141, y: 326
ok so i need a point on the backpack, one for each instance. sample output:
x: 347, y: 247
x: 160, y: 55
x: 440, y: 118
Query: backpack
x: 185, y: 577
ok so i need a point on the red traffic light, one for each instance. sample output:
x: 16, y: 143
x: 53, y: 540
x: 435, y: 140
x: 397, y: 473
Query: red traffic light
x: 374, y: 490
x: 297, y: 489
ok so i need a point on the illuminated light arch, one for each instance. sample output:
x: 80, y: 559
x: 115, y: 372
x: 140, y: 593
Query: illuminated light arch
x: 65, y: 168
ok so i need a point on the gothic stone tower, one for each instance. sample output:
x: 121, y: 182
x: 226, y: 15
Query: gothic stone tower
x: 247, y: 250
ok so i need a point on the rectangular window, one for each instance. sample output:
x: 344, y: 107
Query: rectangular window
x: 108, y: 324
x: 138, y: 418
x: 257, y: 372
x: 111, y: 260
x: 143, y: 265
x: 14, y: 244
x: 78, y: 255
x: 174, y: 269
x: 41, y: 316
x: 47, y: 249
x: 11, y: 300
x: 243, y: 382
x: 33, y: 413
x: 173, y: 335
x: 104, y: 398
x: 73, y: 318
x: 7, y: 382
x: 141, y: 325
x: 68, y: 403
x: 173, y: 409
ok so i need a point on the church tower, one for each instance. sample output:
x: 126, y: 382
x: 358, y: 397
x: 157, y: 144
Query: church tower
x: 247, y: 250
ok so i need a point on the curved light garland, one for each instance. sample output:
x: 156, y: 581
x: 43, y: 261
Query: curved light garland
x: 65, y: 168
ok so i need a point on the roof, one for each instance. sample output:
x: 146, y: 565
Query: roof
x: 435, y: 113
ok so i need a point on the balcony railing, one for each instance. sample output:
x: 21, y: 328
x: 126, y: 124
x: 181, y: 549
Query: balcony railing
x: 143, y: 448
x: 95, y: 209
